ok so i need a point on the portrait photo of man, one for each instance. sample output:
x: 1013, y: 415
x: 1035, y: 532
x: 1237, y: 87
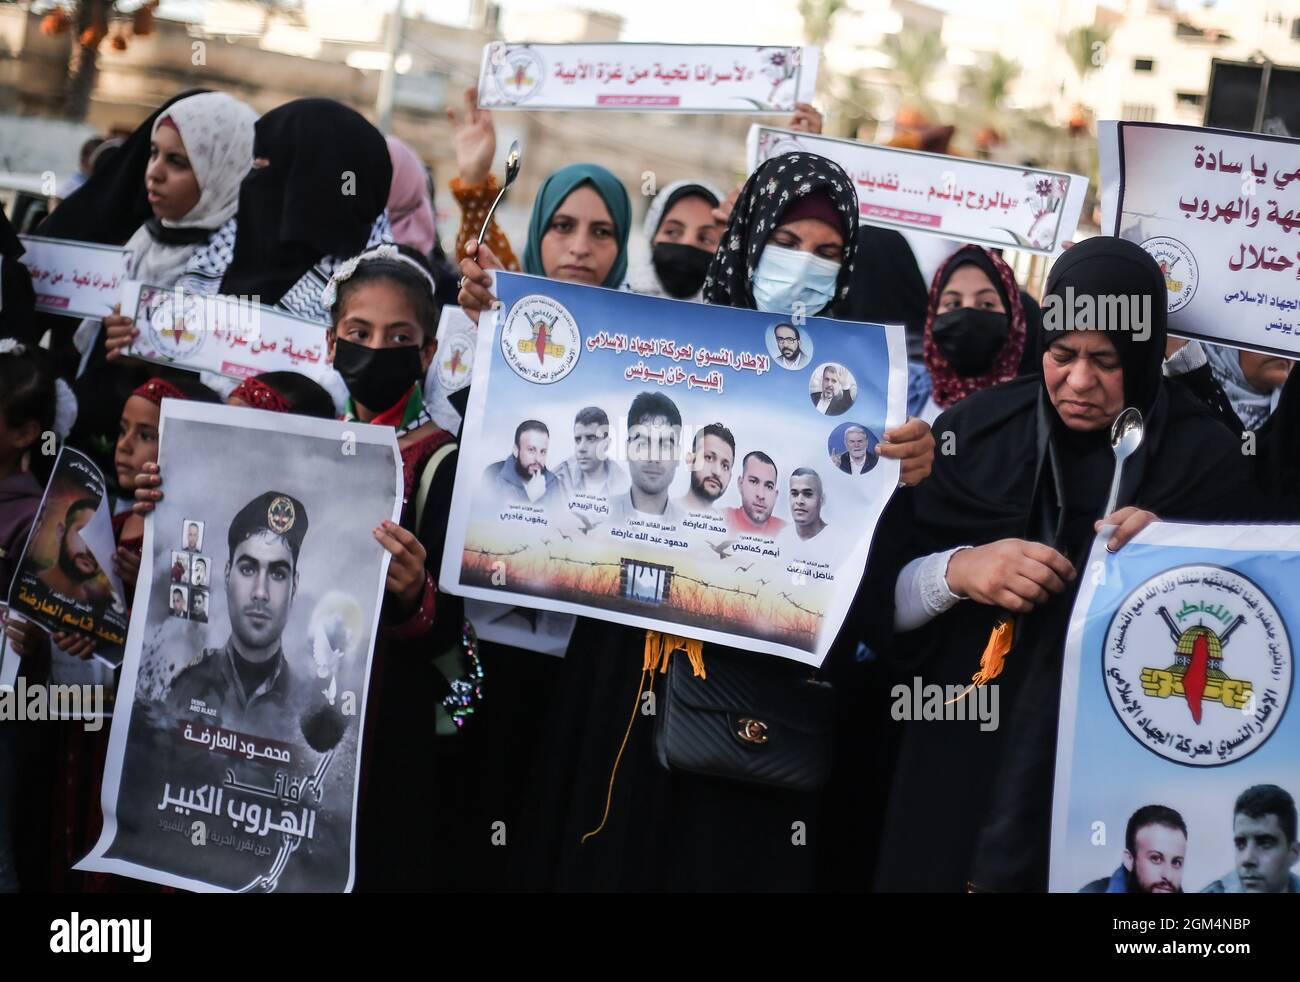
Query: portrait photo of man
x: 76, y: 572
x: 1155, y: 850
x: 179, y: 603
x: 193, y: 535
x: 712, y: 453
x: 1264, y: 837
x: 758, y: 494
x: 857, y: 456
x: 199, y: 571
x: 654, y: 430
x: 807, y: 498
x: 589, y: 470
x: 522, y: 478
x: 790, y: 347
x: 833, y: 391
x: 248, y: 680
x: 199, y: 606
x: 180, y: 568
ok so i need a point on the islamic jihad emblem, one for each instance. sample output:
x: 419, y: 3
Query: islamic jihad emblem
x: 280, y: 515
x: 1222, y: 694
x: 540, y: 340
x: 542, y: 343
x: 1197, y: 672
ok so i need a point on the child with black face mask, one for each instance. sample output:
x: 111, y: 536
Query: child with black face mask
x: 425, y: 670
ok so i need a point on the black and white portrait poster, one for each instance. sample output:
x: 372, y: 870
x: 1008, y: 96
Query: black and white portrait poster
x: 235, y: 751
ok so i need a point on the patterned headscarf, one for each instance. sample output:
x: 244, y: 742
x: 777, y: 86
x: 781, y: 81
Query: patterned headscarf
x: 949, y: 387
x: 217, y: 131
x: 770, y: 190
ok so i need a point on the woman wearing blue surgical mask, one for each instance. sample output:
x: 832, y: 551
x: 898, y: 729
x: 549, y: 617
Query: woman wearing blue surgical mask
x: 788, y: 249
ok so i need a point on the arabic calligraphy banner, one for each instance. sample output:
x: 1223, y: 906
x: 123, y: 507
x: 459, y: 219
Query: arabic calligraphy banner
x: 692, y: 78
x: 1174, y: 698
x: 1220, y: 212
x: 225, y: 335
x: 970, y: 200
x: 236, y: 745
x: 65, y: 580
x: 79, y: 279
x: 700, y: 470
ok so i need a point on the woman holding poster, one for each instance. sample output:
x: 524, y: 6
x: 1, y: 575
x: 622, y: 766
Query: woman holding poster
x: 615, y: 818
x: 1001, y: 529
x: 577, y: 233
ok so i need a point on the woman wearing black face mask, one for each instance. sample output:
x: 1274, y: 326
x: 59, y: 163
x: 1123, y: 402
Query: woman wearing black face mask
x: 683, y: 236
x: 974, y: 328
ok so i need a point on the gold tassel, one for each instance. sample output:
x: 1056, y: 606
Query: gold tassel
x: 658, y: 650
x: 994, y: 658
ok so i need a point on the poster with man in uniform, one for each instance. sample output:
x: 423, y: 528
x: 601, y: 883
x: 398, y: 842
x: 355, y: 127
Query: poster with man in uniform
x: 233, y: 764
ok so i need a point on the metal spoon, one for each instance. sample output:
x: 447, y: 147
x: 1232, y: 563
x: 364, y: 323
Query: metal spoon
x: 1125, y: 437
x: 512, y: 171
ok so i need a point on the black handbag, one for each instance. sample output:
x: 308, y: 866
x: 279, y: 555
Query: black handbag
x: 751, y: 720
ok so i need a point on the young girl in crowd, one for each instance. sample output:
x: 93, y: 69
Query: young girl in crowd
x: 284, y: 392
x: 381, y: 341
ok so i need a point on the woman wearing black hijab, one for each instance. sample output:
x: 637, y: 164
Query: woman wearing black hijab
x: 315, y: 197
x: 670, y: 830
x: 1021, y: 499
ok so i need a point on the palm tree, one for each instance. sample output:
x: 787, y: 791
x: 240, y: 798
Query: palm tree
x: 916, y: 55
x: 1086, y: 46
x: 989, y: 80
x: 817, y: 16
x: 94, y: 21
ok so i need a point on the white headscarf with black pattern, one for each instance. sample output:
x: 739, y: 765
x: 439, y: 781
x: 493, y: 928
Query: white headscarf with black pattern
x: 771, y: 189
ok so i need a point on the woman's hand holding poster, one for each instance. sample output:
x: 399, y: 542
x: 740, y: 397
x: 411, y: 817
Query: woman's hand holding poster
x: 1177, y: 681
x: 699, y: 470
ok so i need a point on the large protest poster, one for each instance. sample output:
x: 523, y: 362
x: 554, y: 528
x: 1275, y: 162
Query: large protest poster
x: 230, y: 336
x: 701, y: 470
x: 236, y: 745
x: 65, y: 580
x: 691, y: 78
x: 1175, y: 700
x: 1220, y: 212
x: 79, y: 279
x: 996, y: 205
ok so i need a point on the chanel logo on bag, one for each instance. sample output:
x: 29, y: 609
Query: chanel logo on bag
x: 751, y: 730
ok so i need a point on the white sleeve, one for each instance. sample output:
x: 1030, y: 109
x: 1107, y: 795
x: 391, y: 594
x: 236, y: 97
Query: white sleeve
x: 921, y: 592
x: 1188, y: 358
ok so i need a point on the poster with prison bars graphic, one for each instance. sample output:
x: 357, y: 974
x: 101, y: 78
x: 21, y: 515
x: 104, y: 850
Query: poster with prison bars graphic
x: 705, y: 471
x: 1178, y: 755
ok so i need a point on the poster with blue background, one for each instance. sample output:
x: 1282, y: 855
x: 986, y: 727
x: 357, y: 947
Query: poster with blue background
x: 705, y: 471
x: 1176, y: 716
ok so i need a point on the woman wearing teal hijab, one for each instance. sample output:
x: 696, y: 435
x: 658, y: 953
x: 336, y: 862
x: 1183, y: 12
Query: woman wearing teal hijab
x: 577, y: 233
